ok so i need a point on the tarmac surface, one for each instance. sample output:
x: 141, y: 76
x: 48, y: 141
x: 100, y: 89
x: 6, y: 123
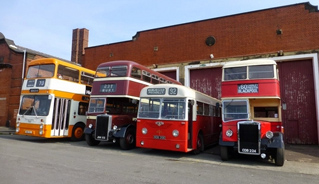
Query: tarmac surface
x: 293, y: 152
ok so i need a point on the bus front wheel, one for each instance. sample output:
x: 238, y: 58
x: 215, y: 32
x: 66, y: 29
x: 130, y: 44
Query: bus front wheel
x: 77, y: 132
x: 128, y: 141
x: 90, y: 140
x: 280, y: 157
x: 224, y: 153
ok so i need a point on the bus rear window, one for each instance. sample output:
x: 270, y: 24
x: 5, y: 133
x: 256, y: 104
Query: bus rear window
x: 41, y: 71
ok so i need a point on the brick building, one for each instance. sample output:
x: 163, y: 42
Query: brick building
x: 194, y: 53
x: 13, y: 62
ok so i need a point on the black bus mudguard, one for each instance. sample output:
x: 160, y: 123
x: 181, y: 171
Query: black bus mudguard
x: 89, y: 131
x: 121, y: 132
x: 277, y: 141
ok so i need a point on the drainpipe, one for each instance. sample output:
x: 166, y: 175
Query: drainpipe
x: 24, y: 59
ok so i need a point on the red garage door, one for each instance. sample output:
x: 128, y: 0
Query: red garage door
x: 297, y: 94
x: 171, y: 74
x: 207, y: 80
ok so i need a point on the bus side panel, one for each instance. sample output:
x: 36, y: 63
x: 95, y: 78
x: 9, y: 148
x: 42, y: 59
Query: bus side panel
x: 160, y: 136
x: 209, y: 127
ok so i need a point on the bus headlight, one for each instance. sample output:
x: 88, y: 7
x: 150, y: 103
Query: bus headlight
x: 40, y: 132
x: 114, y: 127
x: 41, y: 126
x: 144, y: 131
x: 18, y: 125
x: 175, y: 133
x: 229, y: 133
x: 90, y: 125
x: 269, y: 134
x: 17, y: 130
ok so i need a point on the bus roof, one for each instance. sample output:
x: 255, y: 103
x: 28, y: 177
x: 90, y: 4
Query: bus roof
x: 251, y: 62
x: 57, y: 61
x: 182, y: 91
x: 135, y: 64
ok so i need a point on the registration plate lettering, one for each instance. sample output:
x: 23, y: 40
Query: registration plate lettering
x: 159, y: 137
x: 28, y: 132
x: 246, y: 150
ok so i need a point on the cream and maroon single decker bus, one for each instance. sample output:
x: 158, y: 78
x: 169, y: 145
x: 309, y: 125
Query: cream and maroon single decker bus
x: 114, y: 101
x: 251, y: 110
x: 177, y: 118
x: 54, y: 99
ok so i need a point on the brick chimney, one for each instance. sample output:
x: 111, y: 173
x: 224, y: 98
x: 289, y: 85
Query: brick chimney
x: 80, y: 40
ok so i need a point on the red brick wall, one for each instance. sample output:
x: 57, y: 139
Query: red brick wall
x: 239, y: 35
x: 11, y: 82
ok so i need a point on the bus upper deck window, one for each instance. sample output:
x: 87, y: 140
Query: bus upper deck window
x: 261, y: 72
x: 41, y: 71
x: 136, y: 73
x: 102, y: 72
x: 119, y: 71
x: 236, y: 73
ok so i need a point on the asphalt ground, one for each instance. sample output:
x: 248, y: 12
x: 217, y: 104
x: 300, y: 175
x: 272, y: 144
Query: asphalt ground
x: 296, y: 153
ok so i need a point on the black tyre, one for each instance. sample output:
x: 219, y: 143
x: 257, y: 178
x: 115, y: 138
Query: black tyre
x: 77, y: 132
x: 224, y: 153
x: 128, y: 142
x: 199, y: 144
x: 90, y: 140
x: 280, y: 157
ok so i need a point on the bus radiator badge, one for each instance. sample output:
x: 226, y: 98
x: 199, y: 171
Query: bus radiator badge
x: 159, y: 123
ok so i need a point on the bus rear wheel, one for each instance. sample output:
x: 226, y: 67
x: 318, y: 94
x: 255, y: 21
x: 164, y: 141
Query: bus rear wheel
x: 128, y: 141
x: 90, y: 140
x: 77, y: 132
x: 199, y: 144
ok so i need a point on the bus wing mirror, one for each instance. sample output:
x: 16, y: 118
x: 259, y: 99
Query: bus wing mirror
x: 217, y: 104
x: 192, y: 102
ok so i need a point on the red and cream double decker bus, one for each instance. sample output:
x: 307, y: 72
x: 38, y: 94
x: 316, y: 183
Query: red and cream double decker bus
x: 251, y: 110
x: 177, y: 118
x: 54, y: 99
x: 114, y: 101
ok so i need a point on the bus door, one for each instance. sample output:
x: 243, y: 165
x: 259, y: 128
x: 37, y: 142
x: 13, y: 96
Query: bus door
x: 61, y: 115
x: 190, y: 123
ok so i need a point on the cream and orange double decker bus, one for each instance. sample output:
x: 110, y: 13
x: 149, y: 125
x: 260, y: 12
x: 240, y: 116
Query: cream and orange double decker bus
x: 54, y: 99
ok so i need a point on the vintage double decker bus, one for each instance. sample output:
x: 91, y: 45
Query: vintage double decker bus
x: 177, y: 118
x: 54, y: 99
x: 251, y: 110
x: 114, y: 101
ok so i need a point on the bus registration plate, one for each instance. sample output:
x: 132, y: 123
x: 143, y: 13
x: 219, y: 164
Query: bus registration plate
x: 28, y: 132
x: 159, y: 137
x: 246, y: 150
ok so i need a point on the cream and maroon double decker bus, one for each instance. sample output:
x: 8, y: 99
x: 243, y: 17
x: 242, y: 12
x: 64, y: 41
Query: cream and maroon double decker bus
x: 54, y: 99
x: 251, y: 110
x: 114, y: 101
x: 177, y: 118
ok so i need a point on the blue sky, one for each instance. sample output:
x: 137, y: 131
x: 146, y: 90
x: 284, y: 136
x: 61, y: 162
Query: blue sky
x: 46, y: 26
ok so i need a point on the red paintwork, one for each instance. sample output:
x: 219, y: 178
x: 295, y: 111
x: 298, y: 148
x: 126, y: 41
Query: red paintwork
x: 208, y: 125
x: 267, y: 88
x: 264, y: 127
